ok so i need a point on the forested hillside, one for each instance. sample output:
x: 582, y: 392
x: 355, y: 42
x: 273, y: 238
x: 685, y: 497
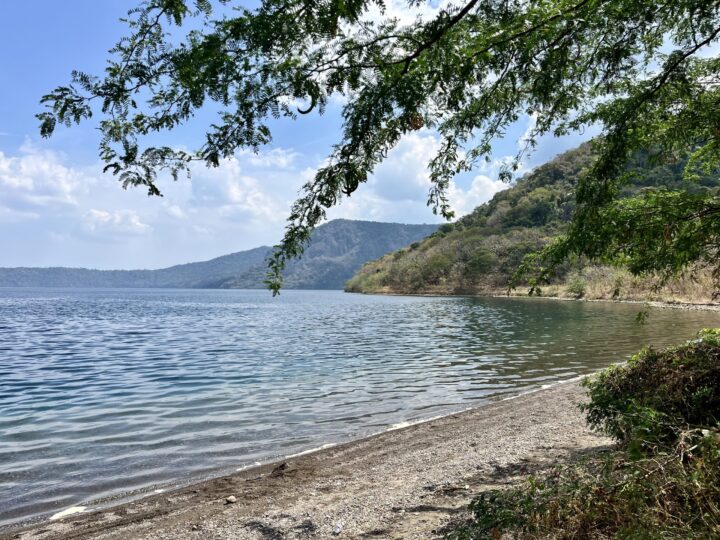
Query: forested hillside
x: 479, y: 253
x: 337, y: 250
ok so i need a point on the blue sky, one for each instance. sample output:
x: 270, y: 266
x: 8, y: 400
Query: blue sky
x: 58, y: 209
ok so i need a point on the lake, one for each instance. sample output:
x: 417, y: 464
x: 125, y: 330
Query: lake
x: 108, y: 392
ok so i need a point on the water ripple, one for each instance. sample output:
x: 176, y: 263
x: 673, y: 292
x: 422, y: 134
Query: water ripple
x: 108, y: 391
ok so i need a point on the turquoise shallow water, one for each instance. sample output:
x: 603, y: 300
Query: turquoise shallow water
x: 107, y: 391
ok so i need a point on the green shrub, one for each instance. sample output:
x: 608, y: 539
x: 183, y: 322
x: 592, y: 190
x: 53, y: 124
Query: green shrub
x: 435, y: 267
x: 663, y: 480
x: 659, y: 394
x: 611, y: 495
x: 576, y: 285
x: 479, y: 262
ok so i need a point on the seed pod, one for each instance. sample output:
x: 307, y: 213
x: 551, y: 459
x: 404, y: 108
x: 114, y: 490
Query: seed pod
x: 416, y: 121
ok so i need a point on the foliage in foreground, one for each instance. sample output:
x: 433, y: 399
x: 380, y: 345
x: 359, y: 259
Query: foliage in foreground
x: 663, y: 480
x: 659, y: 396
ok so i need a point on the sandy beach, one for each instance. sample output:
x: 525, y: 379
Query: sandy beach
x: 405, y: 483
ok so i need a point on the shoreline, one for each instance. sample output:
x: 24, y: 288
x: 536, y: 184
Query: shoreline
x: 700, y: 306
x: 107, y: 502
x: 412, y: 479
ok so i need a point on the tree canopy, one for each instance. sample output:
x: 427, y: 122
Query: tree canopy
x: 645, y: 72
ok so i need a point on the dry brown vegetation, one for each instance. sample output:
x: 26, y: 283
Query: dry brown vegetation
x: 480, y: 253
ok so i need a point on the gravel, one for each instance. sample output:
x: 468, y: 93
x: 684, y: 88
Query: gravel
x: 406, y: 483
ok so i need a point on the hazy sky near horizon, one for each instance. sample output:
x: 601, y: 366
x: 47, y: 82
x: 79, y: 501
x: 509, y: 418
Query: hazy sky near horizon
x: 57, y: 208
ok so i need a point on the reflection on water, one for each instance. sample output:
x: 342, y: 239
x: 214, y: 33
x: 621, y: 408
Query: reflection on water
x: 106, y: 391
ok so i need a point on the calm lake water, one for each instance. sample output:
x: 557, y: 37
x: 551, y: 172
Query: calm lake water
x: 108, y: 391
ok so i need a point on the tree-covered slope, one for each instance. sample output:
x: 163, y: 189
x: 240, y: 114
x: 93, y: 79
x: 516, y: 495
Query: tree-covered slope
x: 338, y: 249
x: 480, y: 252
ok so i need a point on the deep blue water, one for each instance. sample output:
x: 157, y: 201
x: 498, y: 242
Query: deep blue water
x: 107, y: 391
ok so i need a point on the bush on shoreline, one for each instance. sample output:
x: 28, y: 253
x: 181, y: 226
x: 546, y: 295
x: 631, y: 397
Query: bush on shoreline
x: 659, y: 396
x: 662, y: 480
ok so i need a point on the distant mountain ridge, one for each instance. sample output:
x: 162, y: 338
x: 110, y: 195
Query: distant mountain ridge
x: 337, y: 250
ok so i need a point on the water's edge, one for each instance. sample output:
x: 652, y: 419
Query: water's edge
x: 255, y: 469
x: 699, y: 306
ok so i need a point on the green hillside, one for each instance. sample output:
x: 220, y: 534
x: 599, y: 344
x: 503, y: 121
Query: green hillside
x: 479, y: 253
x: 336, y: 251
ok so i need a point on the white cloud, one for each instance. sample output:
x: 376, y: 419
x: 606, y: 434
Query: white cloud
x: 175, y: 211
x: 481, y: 191
x: 399, y: 9
x: 115, y: 222
x: 398, y: 190
x: 275, y: 158
x: 231, y: 192
x: 37, y: 178
x: 404, y: 174
x: 77, y: 216
x: 529, y: 130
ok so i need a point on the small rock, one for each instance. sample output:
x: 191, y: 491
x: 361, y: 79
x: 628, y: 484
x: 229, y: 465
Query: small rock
x: 231, y: 499
x: 338, y: 529
x: 280, y: 470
